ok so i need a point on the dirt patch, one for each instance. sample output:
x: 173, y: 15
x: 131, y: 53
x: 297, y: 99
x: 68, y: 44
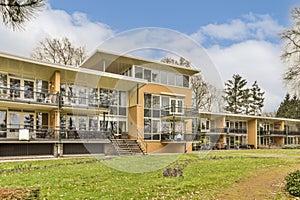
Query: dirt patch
x: 19, y: 193
x: 263, y: 185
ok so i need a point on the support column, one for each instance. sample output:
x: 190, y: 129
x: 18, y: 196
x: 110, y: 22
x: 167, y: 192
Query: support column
x: 252, y: 132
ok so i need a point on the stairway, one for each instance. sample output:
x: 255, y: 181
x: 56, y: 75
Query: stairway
x: 127, y: 146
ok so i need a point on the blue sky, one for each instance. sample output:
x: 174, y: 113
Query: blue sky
x: 239, y: 36
x: 183, y: 16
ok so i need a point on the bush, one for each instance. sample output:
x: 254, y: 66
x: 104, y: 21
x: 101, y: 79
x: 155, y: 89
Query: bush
x: 293, y: 183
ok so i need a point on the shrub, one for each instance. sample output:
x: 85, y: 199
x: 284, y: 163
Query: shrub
x: 293, y: 183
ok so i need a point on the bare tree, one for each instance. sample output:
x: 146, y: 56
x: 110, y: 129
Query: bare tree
x: 291, y: 54
x: 202, y: 98
x: 16, y: 12
x: 60, y: 51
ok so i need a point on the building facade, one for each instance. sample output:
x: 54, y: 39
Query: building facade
x: 54, y: 109
x: 229, y: 131
x: 50, y: 109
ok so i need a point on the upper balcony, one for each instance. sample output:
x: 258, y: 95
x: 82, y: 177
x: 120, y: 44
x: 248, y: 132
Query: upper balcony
x: 179, y: 111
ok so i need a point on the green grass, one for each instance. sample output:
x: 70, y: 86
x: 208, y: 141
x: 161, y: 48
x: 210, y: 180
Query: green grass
x: 113, y: 179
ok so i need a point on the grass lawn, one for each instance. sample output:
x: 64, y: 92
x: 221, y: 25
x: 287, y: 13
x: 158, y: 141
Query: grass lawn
x: 141, y: 177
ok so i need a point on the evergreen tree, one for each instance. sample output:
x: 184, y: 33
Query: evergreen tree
x: 289, y: 107
x: 234, y: 94
x: 247, y: 101
x: 258, y: 99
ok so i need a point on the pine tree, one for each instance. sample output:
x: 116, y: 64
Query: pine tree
x: 289, y: 107
x: 247, y: 101
x: 258, y: 99
x: 234, y: 94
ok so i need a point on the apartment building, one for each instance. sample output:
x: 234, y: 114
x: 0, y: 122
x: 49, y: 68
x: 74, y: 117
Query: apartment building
x: 51, y: 109
x: 231, y: 131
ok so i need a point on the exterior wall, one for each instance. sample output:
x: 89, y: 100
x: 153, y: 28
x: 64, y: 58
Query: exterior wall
x: 158, y: 147
x: 252, y: 132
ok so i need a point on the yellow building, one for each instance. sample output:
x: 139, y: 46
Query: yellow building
x: 228, y: 131
x: 117, y: 104
x: 108, y: 103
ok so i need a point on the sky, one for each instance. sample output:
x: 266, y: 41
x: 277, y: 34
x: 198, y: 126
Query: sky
x: 239, y: 36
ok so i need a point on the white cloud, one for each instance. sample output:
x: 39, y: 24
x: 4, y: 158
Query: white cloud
x: 253, y: 60
x: 56, y: 24
x: 251, y: 26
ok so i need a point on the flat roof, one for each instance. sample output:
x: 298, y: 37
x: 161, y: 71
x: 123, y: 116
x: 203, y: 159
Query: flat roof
x: 74, y: 69
x: 95, y: 58
x: 249, y: 116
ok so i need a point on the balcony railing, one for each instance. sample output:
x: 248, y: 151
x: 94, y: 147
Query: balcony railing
x: 226, y: 130
x: 51, y: 98
x: 179, y: 136
x: 179, y: 111
x: 57, y: 134
x: 277, y: 132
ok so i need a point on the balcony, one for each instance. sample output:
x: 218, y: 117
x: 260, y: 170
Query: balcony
x: 227, y: 131
x: 179, y: 137
x: 179, y: 111
x: 9, y: 134
x: 49, y: 98
x: 272, y: 132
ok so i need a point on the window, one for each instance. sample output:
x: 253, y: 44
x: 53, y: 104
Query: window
x: 147, y: 125
x: 71, y: 94
x: 156, y: 106
x: 14, y: 122
x: 122, y: 103
x: 179, y: 80
x: 3, y: 124
x: 171, y: 78
x: 82, y: 123
x: 3, y: 84
x: 155, y: 76
x: 15, y: 88
x: 42, y: 90
x: 41, y: 121
x: 82, y: 95
x: 93, y: 97
x: 28, y: 121
x: 71, y: 122
x: 186, y: 81
x: 147, y: 75
x: 163, y: 77
x: 104, y: 99
x: 28, y: 89
x: 93, y: 123
x: 138, y: 72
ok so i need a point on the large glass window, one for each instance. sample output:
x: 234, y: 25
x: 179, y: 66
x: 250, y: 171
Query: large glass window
x: 171, y: 78
x: 104, y: 98
x: 15, y: 88
x: 14, y: 122
x: 163, y: 77
x: 93, y: 123
x: 71, y: 94
x: 28, y: 121
x: 82, y: 92
x: 71, y: 122
x: 82, y: 123
x: 179, y: 80
x: 42, y: 90
x: 28, y: 89
x: 93, y: 97
x: 138, y: 72
x: 147, y: 75
x: 42, y: 120
x: 155, y: 76
x: 186, y: 81
x: 122, y: 103
x: 3, y: 124
x: 3, y: 84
